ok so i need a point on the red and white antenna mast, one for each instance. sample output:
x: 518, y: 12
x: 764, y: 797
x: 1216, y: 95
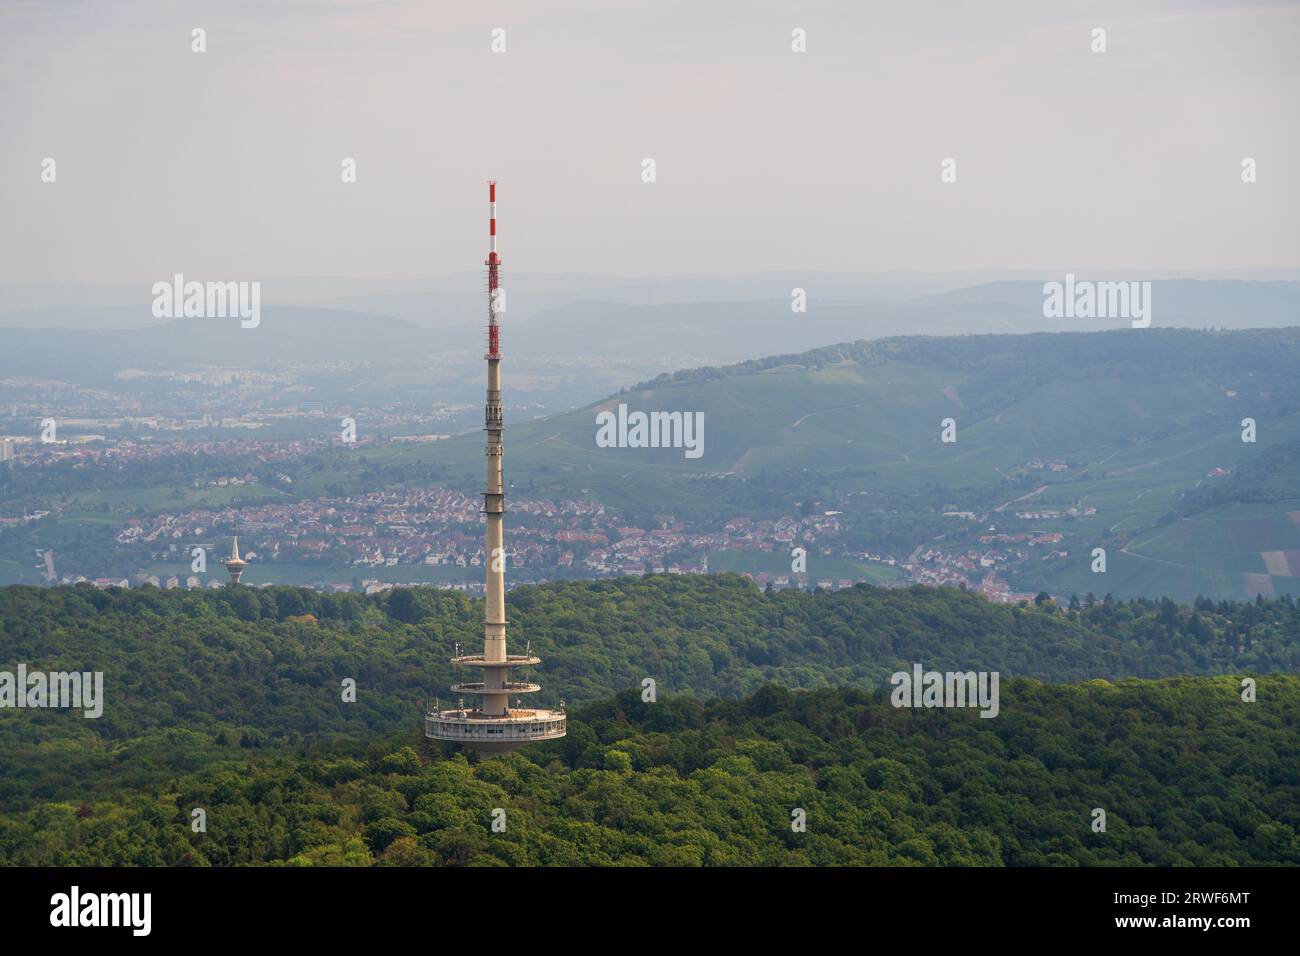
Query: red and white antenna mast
x: 493, y: 263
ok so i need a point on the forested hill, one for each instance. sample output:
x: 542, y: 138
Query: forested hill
x: 1029, y: 361
x: 248, y: 668
x: 1185, y: 771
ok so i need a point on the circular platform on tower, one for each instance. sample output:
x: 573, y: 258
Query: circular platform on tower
x: 507, y: 687
x: 511, y: 660
x: 494, y: 732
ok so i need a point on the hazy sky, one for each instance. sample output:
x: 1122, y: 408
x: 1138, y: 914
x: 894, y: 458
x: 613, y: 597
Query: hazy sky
x: 226, y: 164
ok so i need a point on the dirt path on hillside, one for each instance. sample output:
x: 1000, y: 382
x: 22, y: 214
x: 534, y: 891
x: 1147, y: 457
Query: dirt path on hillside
x: 1037, y: 491
x: 837, y: 408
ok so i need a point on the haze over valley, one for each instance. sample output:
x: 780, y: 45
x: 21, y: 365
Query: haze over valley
x: 1096, y: 437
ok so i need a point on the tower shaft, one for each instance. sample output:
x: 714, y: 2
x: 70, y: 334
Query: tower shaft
x: 494, y: 618
x: 493, y: 727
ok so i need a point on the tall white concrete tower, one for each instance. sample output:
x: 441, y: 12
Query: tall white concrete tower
x: 494, y: 726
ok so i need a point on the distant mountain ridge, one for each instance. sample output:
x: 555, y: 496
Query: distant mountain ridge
x: 1157, y: 351
x: 721, y: 332
x: 675, y: 323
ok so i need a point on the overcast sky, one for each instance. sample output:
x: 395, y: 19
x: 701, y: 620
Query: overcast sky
x: 226, y: 164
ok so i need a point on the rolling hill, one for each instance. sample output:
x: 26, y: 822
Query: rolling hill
x: 1144, y: 426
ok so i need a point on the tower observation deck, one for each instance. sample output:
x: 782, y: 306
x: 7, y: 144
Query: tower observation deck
x: 494, y: 726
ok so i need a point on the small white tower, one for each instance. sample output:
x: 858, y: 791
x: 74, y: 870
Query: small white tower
x: 234, y: 564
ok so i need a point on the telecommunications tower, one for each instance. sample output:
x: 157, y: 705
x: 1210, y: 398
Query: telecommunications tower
x: 235, y: 564
x: 494, y: 726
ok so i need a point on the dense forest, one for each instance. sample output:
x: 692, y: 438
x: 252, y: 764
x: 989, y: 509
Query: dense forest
x: 272, y: 660
x: 231, y: 701
x: 1186, y: 772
